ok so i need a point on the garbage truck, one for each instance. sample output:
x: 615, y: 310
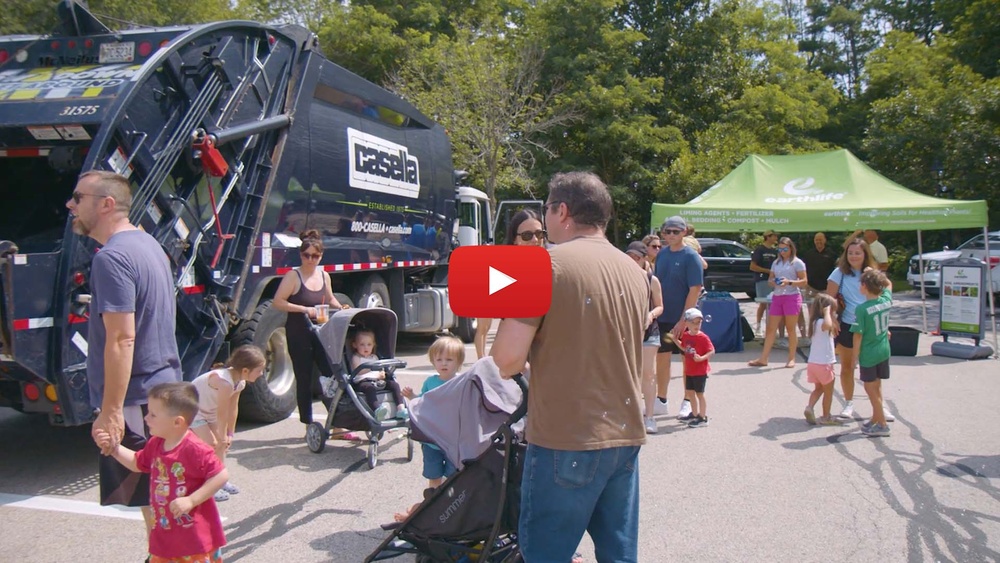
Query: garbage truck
x: 235, y: 136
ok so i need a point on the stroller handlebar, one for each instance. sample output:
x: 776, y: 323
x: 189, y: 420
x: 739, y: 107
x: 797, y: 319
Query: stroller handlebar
x: 522, y: 409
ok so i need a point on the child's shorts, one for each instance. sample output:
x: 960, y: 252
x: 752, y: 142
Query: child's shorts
x: 822, y: 374
x: 877, y: 371
x: 785, y: 305
x: 695, y: 383
x: 214, y: 557
x: 436, y: 465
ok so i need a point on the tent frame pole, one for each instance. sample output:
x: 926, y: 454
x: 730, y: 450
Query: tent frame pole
x: 920, y: 265
x: 989, y: 290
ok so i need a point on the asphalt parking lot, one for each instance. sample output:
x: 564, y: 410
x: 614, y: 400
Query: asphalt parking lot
x: 757, y: 484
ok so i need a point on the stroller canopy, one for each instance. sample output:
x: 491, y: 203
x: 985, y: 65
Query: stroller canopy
x: 333, y: 334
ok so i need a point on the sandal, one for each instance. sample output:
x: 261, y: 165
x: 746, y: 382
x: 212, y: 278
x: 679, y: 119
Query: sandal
x: 757, y: 363
x: 348, y: 437
x: 790, y: 364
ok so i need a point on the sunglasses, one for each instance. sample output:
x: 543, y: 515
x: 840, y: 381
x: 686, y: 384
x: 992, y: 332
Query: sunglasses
x: 655, y: 246
x: 77, y: 196
x: 528, y: 235
x: 783, y: 249
x: 311, y: 256
x: 672, y: 231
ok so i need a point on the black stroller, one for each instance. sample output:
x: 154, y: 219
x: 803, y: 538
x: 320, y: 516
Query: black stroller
x: 473, y: 515
x: 346, y: 408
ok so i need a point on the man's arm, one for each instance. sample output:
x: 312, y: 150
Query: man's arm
x: 511, y: 346
x: 755, y: 258
x: 118, y: 353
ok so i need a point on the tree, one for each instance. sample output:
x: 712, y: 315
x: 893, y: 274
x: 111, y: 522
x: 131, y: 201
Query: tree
x: 485, y: 90
x: 934, y: 123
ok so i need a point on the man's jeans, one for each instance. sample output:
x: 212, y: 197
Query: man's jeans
x: 564, y: 493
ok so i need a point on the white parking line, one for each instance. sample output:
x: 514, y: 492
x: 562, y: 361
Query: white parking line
x: 68, y: 505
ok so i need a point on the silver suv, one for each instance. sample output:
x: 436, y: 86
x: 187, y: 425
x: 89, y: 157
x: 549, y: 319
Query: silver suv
x: 972, y: 248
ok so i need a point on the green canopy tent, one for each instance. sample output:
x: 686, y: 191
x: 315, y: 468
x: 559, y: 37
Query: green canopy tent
x: 827, y: 191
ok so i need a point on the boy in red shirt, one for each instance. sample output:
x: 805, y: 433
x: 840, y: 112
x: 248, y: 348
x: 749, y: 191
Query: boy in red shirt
x: 184, y: 473
x: 698, y: 348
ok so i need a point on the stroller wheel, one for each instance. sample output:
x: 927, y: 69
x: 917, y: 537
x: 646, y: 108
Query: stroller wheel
x: 409, y: 447
x: 372, y: 455
x: 316, y: 436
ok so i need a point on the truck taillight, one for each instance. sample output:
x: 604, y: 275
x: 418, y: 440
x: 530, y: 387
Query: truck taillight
x: 50, y: 393
x: 79, y: 278
x: 145, y: 48
x: 994, y: 260
x: 31, y: 392
x: 4, y: 55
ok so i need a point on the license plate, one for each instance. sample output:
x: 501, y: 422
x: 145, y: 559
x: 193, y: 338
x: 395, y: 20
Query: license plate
x: 117, y: 53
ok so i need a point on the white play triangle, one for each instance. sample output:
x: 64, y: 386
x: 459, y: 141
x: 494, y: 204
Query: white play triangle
x: 499, y: 280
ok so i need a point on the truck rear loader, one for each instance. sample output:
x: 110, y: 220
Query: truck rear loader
x: 235, y: 137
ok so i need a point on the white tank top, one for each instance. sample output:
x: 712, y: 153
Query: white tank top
x: 821, y: 347
x: 208, y: 398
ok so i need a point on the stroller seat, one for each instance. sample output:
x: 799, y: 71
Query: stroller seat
x: 346, y: 407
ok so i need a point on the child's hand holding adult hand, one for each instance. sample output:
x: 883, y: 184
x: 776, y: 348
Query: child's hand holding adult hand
x: 180, y: 506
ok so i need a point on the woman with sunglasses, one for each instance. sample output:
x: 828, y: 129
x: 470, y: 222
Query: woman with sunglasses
x: 788, y: 274
x: 525, y: 229
x: 653, y: 245
x: 300, y: 291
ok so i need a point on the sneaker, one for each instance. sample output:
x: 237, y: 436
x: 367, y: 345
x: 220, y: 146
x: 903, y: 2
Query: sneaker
x: 866, y: 425
x: 382, y: 412
x: 660, y: 406
x: 230, y: 488
x: 328, y: 385
x: 876, y: 430
x: 221, y: 495
x: 810, y: 416
x: 698, y: 422
x: 685, y: 409
x: 687, y: 418
x: 848, y: 411
x: 828, y: 421
x: 889, y: 417
x: 402, y: 413
x: 650, y: 425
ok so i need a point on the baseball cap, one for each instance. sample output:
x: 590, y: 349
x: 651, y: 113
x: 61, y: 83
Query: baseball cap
x: 637, y: 248
x: 675, y: 222
x: 692, y: 314
x: 769, y: 232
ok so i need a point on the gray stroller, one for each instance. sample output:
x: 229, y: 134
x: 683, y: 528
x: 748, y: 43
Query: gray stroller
x: 346, y: 408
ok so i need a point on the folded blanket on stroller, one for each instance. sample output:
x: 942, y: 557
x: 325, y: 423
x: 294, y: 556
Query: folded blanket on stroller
x: 461, y: 416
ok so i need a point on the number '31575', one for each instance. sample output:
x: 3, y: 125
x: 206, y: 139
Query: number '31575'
x: 79, y: 110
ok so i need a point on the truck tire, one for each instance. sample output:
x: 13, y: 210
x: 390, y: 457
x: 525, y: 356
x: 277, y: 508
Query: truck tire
x: 372, y: 293
x: 465, y: 329
x: 272, y: 397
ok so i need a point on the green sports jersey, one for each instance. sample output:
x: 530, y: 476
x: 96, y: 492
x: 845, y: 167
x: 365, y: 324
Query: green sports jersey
x: 873, y: 324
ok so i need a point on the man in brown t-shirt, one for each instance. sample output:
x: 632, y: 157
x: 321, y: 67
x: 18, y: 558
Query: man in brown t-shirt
x: 584, y: 424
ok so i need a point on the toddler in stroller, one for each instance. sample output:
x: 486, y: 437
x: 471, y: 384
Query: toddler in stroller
x: 369, y: 382
x: 361, y: 392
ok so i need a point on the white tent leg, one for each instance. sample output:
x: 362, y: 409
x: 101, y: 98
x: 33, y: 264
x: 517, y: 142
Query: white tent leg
x: 989, y: 291
x: 920, y: 264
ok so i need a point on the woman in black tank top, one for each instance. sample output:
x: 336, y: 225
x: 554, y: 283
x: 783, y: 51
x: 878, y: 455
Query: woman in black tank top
x: 298, y: 294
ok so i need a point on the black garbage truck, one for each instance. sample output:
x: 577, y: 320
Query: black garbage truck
x: 236, y: 137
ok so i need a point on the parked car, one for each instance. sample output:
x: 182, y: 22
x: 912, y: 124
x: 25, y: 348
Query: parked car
x: 972, y: 248
x: 728, y: 266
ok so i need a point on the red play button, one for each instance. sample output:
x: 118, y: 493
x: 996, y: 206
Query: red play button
x: 500, y: 281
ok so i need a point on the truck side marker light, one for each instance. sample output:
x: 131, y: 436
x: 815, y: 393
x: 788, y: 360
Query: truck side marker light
x: 50, y: 393
x: 28, y: 324
x: 31, y: 392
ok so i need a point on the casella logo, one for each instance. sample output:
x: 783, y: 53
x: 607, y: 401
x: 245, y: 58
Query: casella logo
x: 802, y: 190
x: 382, y: 166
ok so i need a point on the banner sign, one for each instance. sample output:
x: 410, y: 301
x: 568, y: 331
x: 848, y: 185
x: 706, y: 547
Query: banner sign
x: 962, y: 298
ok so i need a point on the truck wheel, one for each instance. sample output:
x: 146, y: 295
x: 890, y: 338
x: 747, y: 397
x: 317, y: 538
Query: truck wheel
x: 272, y: 397
x: 372, y: 293
x: 465, y: 329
